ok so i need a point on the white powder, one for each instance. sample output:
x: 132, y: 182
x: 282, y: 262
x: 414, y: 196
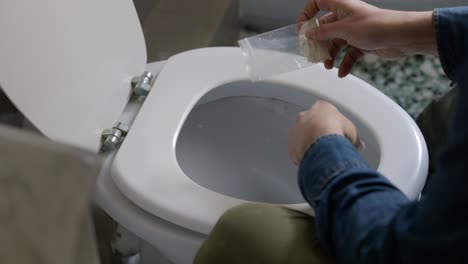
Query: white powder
x: 315, y: 50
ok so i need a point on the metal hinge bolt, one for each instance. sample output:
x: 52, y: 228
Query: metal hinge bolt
x: 112, y: 137
x: 142, y: 84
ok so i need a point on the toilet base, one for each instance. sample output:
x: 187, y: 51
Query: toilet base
x: 151, y: 255
x: 136, y: 250
x: 178, y: 244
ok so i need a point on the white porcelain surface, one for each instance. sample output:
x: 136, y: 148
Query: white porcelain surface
x: 146, y: 168
x: 237, y: 145
x: 234, y: 141
x: 67, y: 64
x: 176, y: 243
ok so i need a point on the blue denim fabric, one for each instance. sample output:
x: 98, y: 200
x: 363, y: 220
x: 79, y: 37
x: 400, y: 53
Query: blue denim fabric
x: 362, y: 218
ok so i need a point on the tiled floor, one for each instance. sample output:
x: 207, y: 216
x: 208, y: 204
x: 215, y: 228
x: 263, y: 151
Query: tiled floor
x: 413, y: 82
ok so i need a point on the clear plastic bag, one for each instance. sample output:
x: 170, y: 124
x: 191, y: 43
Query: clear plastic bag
x: 281, y: 50
x: 315, y: 50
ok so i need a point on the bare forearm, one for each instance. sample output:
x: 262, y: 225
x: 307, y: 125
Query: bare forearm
x: 413, y: 32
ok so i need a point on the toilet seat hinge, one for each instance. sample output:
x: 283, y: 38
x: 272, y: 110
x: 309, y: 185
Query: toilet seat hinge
x: 142, y: 84
x: 111, y: 138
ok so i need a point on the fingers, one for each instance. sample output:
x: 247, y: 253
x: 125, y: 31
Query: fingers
x: 328, y: 64
x: 300, y: 115
x: 321, y: 104
x: 335, y: 7
x: 328, y: 18
x: 326, y: 32
x: 293, y: 144
x: 310, y: 10
x: 321, y: 119
x: 314, y: 6
x: 349, y: 130
x: 335, y: 45
x: 350, y: 59
x: 334, y: 49
x: 347, y: 127
x: 360, y: 144
x: 292, y: 140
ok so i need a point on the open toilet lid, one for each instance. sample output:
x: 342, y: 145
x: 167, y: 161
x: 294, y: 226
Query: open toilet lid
x: 67, y: 64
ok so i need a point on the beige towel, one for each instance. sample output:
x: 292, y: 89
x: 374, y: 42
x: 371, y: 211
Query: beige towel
x: 44, y: 196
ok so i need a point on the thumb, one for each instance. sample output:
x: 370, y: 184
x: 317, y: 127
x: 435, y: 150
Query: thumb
x: 326, y: 31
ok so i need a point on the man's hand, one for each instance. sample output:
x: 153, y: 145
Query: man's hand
x: 367, y: 29
x: 320, y: 120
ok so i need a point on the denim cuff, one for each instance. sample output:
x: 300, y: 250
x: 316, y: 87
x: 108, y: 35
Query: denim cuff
x: 451, y: 27
x: 440, y: 44
x: 326, y: 159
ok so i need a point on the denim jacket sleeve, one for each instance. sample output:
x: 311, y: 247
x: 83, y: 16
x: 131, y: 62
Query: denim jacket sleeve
x: 451, y: 29
x: 362, y: 218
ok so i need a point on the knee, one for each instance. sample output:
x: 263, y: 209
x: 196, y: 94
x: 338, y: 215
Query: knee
x: 229, y: 241
x: 242, y: 219
x: 243, y: 211
x: 260, y: 233
x: 251, y: 226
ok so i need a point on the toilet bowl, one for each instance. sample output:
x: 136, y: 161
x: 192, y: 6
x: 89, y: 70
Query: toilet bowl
x: 203, y: 140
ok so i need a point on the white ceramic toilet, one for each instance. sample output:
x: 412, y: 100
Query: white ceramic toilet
x: 202, y: 141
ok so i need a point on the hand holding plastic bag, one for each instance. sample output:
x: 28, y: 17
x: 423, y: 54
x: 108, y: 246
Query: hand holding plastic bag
x: 315, y: 50
x: 282, y: 50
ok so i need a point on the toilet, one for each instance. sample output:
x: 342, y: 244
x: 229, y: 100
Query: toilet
x: 193, y: 138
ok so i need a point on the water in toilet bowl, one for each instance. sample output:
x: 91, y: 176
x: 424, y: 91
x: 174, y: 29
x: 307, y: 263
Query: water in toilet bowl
x: 235, y: 142
x: 241, y: 145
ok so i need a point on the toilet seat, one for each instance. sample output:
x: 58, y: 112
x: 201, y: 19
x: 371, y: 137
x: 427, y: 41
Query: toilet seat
x: 154, y: 180
x: 66, y: 68
x: 71, y: 76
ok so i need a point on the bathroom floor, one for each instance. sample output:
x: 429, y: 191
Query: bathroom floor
x: 411, y: 82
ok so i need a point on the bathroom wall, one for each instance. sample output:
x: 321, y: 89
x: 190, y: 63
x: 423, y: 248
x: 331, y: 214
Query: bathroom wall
x: 144, y: 8
x: 173, y: 26
x: 268, y: 14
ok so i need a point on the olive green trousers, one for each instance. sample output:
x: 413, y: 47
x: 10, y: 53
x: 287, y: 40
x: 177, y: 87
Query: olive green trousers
x: 261, y: 233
